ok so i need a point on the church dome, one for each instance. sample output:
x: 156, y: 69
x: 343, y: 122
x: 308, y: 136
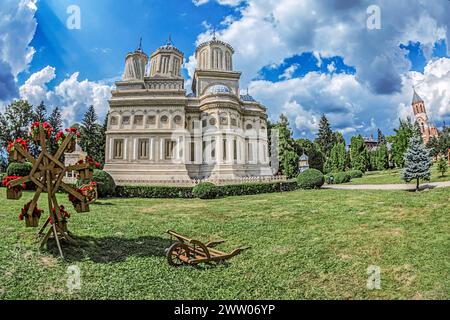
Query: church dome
x: 214, y: 55
x: 247, y: 98
x: 218, y: 88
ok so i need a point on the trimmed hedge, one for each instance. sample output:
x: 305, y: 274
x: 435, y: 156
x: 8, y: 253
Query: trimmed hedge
x: 153, y: 192
x: 187, y: 192
x: 310, y: 179
x: 355, y: 174
x: 256, y: 188
x: 341, y: 177
x: 205, y: 190
x: 106, y: 186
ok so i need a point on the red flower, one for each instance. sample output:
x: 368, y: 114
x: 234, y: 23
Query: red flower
x: 97, y: 165
x: 19, y: 141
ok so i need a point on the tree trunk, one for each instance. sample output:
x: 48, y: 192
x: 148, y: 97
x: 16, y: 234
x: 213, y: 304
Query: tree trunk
x: 417, y: 185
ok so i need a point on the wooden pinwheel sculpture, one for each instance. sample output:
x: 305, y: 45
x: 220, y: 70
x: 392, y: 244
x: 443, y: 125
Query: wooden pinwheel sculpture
x: 47, y: 174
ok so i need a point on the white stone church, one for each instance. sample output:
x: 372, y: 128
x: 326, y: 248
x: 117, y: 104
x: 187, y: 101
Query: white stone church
x: 158, y: 133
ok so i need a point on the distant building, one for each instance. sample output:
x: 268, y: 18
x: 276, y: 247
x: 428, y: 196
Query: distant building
x: 371, y: 143
x: 303, y: 163
x: 427, y: 129
x: 71, y: 159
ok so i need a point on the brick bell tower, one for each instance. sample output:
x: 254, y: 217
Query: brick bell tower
x: 427, y: 129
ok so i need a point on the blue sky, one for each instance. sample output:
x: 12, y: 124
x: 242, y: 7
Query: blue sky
x: 110, y: 29
x: 302, y: 58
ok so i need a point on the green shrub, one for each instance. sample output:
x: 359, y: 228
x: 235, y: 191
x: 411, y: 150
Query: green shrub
x: 187, y: 192
x: 341, y: 177
x: 310, y: 179
x: 355, y: 174
x: 106, y: 186
x: 21, y: 170
x: 256, y: 188
x: 205, y: 190
x: 153, y: 192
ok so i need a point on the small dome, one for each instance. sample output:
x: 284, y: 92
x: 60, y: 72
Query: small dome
x: 304, y: 157
x: 218, y: 88
x: 248, y: 98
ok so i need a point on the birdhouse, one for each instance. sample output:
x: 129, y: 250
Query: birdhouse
x: 303, y: 163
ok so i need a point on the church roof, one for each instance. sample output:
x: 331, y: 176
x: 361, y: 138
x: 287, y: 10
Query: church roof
x: 416, y: 98
x: 304, y: 157
x: 247, y: 98
x: 214, y: 40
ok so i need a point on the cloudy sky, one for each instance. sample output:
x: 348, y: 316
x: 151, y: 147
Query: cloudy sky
x: 298, y: 57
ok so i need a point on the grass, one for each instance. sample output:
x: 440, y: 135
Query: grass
x: 305, y: 245
x: 393, y: 177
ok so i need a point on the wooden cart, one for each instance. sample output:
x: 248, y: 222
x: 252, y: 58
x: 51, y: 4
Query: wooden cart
x: 193, y: 252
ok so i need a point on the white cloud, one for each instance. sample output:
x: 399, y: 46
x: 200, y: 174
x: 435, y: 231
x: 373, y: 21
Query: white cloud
x: 231, y: 3
x: 199, y: 2
x: 72, y: 95
x: 289, y: 71
x: 269, y: 31
x: 17, y: 28
x: 350, y: 105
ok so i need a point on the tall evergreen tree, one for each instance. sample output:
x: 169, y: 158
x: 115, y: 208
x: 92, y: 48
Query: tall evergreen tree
x: 93, y: 135
x: 442, y: 165
x: 403, y: 135
x: 382, y: 158
x: 325, y: 137
x: 381, y: 139
x: 55, y: 120
x: 359, y: 155
x: 444, y: 140
x: 434, y: 147
x: 285, y: 145
x: 337, y: 160
x: 418, y: 162
x: 40, y: 113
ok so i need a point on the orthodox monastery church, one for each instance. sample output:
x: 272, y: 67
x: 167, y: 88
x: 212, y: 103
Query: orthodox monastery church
x: 159, y: 133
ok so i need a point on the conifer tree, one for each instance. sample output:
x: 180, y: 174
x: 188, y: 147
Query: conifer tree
x: 285, y: 146
x: 359, y: 155
x: 93, y: 135
x: 418, y: 162
x: 55, y: 121
x: 40, y: 113
x: 442, y: 166
x: 326, y: 139
x: 337, y: 160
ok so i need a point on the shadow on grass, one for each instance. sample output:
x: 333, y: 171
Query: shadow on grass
x: 110, y: 249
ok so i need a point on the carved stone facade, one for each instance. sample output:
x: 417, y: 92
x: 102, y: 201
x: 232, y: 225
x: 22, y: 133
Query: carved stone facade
x: 157, y: 132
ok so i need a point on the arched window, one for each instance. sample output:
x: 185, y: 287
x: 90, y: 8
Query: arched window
x: 177, y: 120
x: 249, y: 127
x: 217, y: 59
x: 228, y: 64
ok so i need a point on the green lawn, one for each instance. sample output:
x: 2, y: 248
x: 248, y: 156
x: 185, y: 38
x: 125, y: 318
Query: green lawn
x: 393, y: 176
x: 305, y: 245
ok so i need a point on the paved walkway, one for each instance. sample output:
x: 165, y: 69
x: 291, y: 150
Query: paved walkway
x: 430, y: 185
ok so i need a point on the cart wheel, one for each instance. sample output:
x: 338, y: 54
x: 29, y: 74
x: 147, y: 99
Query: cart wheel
x: 174, y: 252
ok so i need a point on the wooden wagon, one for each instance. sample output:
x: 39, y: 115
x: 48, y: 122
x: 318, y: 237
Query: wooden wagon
x: 193, y: 252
